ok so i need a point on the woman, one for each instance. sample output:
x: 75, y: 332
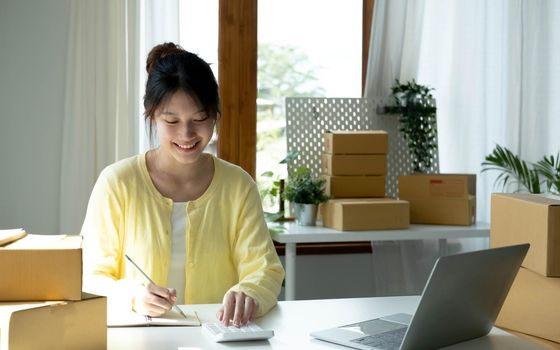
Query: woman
x: 192, y: 222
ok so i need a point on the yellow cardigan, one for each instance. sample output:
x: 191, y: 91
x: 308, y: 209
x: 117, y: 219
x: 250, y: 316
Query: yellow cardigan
x: 228, y: 246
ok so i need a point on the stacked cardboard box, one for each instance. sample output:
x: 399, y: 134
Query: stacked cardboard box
x: 354, y: 164
x: 532, y: 304
x: 41, y: 302
x: 441, y: 199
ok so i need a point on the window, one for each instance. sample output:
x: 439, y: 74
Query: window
x: 305, y: 48
x: 198, y: 33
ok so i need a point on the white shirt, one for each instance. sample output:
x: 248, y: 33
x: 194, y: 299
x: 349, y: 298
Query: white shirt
x: 177, y: 274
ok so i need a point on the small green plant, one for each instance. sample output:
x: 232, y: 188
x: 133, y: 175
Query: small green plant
x: 270, y: 183
x: 529, y: 176
x: 415, y: 104
x: 270, y: 188
x: 549, y: 168
x: 302, y: 187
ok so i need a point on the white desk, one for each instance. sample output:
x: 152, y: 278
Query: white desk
x: 292, y: 321
x: 294, y: 234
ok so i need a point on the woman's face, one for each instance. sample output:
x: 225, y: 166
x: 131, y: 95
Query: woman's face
x: 183, y: 128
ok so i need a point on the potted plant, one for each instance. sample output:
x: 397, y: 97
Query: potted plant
x: 305, y: 192
x: 528, y: 176
x: 416, y: 106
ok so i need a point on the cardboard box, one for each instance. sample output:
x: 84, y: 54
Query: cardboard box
x: 54, y: 324
x: 41, y: 267
x: 354, y: 164
x: 365, y: 214
x: 544, y: 343
x: 441, y: 199
x: 528, y: 218
x: 355, y: 186
x: 442, y: 211
x: 356, y: 142
x: 532, y: 306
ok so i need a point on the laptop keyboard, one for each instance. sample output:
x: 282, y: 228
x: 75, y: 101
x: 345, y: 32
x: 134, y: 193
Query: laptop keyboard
x: 390, y: 340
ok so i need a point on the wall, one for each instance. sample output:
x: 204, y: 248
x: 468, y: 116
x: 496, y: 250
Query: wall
x: 33, y: 41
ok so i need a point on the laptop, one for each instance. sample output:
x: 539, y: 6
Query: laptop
x: 460, y: 301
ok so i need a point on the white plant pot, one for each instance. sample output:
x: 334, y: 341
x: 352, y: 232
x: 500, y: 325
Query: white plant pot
x: 306, y: 214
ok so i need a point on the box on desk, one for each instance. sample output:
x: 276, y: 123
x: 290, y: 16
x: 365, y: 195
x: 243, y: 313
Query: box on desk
x: 354, y: 164
x: 54, y: 324
x: 41, y: 267
x: 441, y: 199
x: 532, y: 306
x: 365, y: 214
x: 356, y: 142
x: 355, y: 186
x: 528, y: 218
x: 545, y: 343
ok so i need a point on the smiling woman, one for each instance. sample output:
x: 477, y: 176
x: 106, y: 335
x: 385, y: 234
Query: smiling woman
x: 184, y: 130
x: 168, y: 78
x: 192, y: 222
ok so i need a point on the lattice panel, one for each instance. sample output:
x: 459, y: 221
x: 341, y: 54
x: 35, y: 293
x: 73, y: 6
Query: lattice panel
x: 307, y: 118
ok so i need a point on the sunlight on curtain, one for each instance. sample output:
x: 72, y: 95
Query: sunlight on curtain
x: 399, y: 267
x: 394, y: 47
x: 159, y: 23
x: 100, y: 101
x: 493, y: 67
x: 198, y: 33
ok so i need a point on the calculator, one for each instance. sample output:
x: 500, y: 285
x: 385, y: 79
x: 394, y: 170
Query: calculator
x: 220, y: 333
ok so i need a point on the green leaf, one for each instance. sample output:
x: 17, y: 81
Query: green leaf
x: 267, y: 174
x: 513, y: 170
x: 302, y: 187
x: 549, y: 168
x: 273, y: 217
x: 417, y: 121
x: 292, y: 155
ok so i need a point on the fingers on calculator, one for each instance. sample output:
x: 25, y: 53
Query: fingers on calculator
x: 250, y: 331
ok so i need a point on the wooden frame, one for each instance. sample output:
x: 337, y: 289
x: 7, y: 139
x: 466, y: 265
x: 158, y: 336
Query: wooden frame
x: 237, y: 57
x: 367, y: 19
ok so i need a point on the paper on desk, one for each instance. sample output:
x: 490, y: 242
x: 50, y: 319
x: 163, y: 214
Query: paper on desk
x: 12, y: 235
x: 132, y: 319
x: 29, y: 241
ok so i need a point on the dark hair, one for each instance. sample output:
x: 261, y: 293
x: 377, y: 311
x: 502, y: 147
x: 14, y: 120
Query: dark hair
x: 170, y: 69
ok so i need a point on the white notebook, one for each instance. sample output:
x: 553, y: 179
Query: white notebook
x: 170, y: 318
x: 12, y: 235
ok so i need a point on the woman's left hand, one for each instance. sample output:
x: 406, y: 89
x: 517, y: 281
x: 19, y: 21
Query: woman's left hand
x: 237, y: 309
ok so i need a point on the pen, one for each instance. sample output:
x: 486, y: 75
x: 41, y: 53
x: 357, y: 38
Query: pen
x: 149, y: 279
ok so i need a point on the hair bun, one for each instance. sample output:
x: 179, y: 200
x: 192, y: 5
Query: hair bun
x: 161, y: 51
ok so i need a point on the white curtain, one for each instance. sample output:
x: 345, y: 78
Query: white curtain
x: 159, y: 23
x: 103, y: 122
x: 399, y: 268
x: 100, y: 120
x: 394, y: 47
x: 493, y: 67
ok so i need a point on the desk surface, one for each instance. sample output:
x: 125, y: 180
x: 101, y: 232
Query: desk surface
x: 292, y: 321
x: 294, y: 233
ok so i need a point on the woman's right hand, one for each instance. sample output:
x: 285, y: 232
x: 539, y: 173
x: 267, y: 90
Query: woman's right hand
x: 153, y: 300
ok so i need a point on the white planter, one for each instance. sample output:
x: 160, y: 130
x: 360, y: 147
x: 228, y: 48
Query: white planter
x: 306, y: 214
